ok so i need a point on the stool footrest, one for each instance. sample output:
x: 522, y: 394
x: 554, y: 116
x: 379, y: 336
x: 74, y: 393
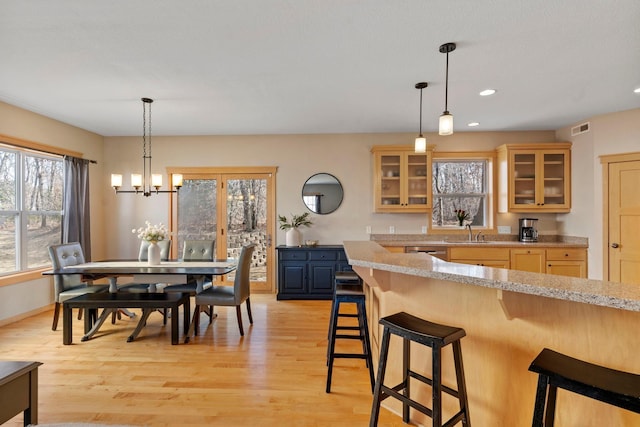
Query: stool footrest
x: 349, y: 337
x: 429, y: 381
x: 347, y: 328
x: 395, y: 392
x: 350, y: 356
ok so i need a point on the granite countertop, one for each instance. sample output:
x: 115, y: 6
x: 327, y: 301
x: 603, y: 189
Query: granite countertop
x: 492, y: 241
x: 370, y: 254
x: 488, y: 243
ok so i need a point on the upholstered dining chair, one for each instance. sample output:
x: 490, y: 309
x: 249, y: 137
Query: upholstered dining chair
x: 228, y: 295
x: 194, y: 250
x: 165, y: 247
x: 66, y: 286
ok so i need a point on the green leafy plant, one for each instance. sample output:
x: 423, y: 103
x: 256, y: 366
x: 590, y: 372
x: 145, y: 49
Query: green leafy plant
x: 296, y: 221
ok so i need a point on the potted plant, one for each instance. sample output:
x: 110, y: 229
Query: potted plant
x: 292, y: 235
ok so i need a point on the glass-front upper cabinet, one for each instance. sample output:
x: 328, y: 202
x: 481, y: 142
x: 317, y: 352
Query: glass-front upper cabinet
x: 535, y: 177
x: 401, y: 179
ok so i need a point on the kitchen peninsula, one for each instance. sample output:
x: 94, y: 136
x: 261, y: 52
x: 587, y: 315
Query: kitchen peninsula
x: 509, y: 317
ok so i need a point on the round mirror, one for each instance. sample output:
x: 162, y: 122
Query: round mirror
x: 322, y: 193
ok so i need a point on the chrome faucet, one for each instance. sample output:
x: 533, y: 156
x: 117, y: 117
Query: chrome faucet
x: 470, y: 233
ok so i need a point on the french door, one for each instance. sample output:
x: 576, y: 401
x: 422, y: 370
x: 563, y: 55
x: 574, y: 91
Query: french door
x: 234, y: 207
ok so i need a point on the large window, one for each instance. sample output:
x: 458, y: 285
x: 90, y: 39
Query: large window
x: 461, y: 184
x: 31, y: 191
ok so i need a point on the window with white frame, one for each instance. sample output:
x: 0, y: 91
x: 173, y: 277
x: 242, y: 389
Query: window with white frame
x: 31, y: 192
x: 461, y: 192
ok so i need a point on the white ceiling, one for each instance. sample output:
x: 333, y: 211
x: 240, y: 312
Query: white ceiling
x: 318, y: 66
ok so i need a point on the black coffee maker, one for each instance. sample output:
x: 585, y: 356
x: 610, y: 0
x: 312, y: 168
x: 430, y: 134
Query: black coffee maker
x: 528, y: 230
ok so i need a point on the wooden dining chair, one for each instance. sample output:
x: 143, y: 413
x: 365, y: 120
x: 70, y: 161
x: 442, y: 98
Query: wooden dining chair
x: 230, y: 296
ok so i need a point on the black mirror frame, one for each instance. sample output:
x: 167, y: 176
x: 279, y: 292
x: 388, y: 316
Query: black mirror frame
x: 337, y: 181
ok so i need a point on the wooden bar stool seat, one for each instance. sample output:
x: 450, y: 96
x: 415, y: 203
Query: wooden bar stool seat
x: 436, y: 336
x: 556, y: 370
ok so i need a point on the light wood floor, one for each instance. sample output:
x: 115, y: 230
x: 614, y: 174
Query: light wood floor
x: 274, y: 376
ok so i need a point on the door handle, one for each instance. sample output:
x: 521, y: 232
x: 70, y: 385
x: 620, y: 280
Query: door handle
x: 615, y: 245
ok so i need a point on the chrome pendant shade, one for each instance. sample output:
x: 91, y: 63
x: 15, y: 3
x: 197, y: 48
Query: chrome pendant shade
x: 421, y: 142
x: 446, y: 119
x: 146, y: 183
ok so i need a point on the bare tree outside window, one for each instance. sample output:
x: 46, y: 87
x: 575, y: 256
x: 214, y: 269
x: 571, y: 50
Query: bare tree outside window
x: 459, y: 185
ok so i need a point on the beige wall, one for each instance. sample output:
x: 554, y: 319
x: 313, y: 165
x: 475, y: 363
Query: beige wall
x: 613, y: 133
x: 297, y: 157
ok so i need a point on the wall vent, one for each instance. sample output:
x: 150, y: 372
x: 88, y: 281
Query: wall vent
x: 577, y: 130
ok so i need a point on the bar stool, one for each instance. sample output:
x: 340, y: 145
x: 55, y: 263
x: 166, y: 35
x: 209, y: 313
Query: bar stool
x: 556, y: 370
x: 342, y: 278
x: 433, y: 335
x: 348, y: 290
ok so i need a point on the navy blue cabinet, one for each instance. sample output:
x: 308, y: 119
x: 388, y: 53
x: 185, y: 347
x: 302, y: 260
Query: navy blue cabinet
x: 309, y: 272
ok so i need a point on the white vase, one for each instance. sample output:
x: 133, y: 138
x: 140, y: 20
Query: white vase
x: 293, y: 237
x: 153, y: 254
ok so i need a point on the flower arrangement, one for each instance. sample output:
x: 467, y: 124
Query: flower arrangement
x: 296, y: 221
x: 151, y: 233
x: 461, y: 215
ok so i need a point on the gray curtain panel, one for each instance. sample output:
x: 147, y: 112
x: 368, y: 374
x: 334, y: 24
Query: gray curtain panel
x: 76, y: 225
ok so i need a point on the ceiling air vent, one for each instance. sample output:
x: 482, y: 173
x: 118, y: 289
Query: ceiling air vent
x: 577, y: 130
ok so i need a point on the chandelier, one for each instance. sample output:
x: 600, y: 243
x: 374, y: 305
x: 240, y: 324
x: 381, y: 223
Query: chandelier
x: 146, y: 183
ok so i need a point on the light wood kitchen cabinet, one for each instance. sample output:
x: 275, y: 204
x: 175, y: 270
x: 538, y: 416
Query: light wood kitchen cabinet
x: 532, y: 260
x: 534, y: 177
x: 395, y: 249
x: 486, y: 257
x: 402, y: 179
x: 567, y: 262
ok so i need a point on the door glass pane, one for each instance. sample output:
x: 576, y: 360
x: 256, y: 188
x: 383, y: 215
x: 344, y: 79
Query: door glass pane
x: 524, y: 178
x: 390, y: 176
x: 553, y: 178
x: 196, y: 211
x: 247, y: 222
x: 417, y: 179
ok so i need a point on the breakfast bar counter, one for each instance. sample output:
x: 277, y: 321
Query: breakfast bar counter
x: 509, y: 317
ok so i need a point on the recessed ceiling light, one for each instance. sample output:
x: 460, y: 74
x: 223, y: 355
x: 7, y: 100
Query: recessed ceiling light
x: 487, y: 92
x: 473, y: 124
x: 636, y: 90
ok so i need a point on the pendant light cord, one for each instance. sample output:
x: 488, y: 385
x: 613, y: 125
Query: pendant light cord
x: 446, y: 87
x: 420, y: 112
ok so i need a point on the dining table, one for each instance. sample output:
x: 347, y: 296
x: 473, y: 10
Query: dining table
x: 171, y: 271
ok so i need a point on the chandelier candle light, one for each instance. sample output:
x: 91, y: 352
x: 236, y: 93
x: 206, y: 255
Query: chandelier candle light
x: 143, y: 183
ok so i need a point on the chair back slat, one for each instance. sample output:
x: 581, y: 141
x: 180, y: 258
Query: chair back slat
x: 198, y: 250
x: 65, y: 255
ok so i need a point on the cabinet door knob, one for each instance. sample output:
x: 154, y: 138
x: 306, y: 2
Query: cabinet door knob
x: 615, y: 245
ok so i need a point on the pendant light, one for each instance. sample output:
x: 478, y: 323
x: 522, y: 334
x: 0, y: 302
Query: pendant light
x: 421, y: 142
x: 446, y: 119
x: 146, y: 183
